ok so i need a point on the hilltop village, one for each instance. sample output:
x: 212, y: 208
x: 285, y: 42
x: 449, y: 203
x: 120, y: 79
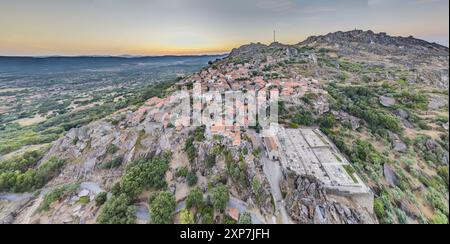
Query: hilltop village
x: 302, y: 151
x: 347, y: 128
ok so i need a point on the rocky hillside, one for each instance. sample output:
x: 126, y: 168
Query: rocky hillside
x: 366, y: 38
x: 386, y: 107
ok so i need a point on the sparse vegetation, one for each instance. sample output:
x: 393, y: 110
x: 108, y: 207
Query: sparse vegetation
x: 112, y: 164
x: 245, y: 219
x: 57, y: 194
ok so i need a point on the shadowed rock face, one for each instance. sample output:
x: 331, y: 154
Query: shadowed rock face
x: 308, y: 203
x: 390, y: 176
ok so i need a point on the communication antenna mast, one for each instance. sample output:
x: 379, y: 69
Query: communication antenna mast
x: 274, y: 36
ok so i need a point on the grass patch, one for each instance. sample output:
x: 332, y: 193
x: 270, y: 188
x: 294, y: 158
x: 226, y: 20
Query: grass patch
x: 351, y: 172
x: 57, y: 194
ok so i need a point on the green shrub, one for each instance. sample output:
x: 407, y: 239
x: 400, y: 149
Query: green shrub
x: 187, y: 217
x: 437, y: 201
x: 112, y: 149
x: 145, y: 173
x: 182, y: 172
x: 195, y: 199
x: 304, y: 118
x: 228, y: 220
x: 206, y: 214
x: 32, y: 179
x: 192, y: 178
x: 162, y: 208
x: 327, y: 121
x: 439, y: 219
x: 401, y: 216
x: 220, y: 197
x: 444, y: 173
x: 83, y: 200
x: 245, y: 219
x: 57, y: 194
x: 210, y: 161
x: 101, y: 198
x: 190, y: 149
x: 245, y: 151
x: 22, y: 162
x: 117, y: 210
x: 378, y: 207
x: 199, y: 134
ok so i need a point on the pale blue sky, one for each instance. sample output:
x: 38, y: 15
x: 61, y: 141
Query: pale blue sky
x: 154, y: 27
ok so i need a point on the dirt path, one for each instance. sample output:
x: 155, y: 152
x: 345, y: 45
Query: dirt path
x: 26, y: 214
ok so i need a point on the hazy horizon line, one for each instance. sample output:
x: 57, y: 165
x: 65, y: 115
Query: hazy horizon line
x: 112, y: 56
x: 218, y: 53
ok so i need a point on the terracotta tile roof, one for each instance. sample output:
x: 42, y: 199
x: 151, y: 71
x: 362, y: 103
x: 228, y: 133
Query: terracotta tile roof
x: 234, y: 213
x: 271, y: 144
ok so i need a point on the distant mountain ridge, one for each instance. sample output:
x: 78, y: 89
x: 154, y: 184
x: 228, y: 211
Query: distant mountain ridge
x: 370, y: 37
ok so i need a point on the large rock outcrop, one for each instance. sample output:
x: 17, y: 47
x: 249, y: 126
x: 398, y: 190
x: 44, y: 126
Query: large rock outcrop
x: 308, y: 203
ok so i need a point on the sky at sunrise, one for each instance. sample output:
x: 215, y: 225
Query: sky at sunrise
x: 160, y: 27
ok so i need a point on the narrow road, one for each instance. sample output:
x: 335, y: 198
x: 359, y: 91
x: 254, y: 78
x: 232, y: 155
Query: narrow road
x: 274, y: 174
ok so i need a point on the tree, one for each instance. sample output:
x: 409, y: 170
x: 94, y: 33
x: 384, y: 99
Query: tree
x: 194, y: 199
x: 192, y: 178
x: 256, y: 185
x: 145, y: 173
x: 117, y: 210
x: 220, y: 197
x: 304, y: 118
x: 210, y: 161
x: 163, y: 208
x: 206, y: 214
x: 186, y: 217
x: 327, y: 121
x: 101, y: 198
x: 199, y: 134
x: 245, y: 219
x: 190, y: 149
x: 30, y: 179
